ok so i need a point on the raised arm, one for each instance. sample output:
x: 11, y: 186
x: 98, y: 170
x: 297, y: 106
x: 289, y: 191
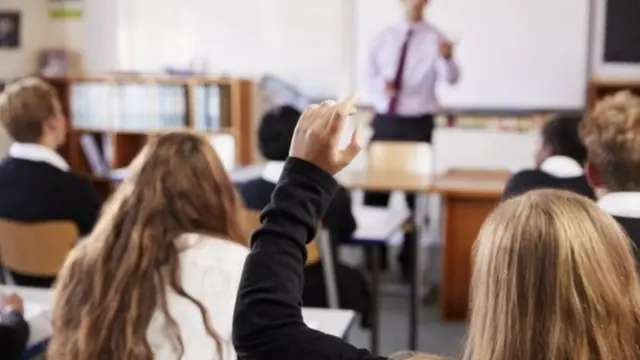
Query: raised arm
x: 268, y: 319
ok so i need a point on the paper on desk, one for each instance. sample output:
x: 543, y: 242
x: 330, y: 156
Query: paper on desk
x: 39, y: 319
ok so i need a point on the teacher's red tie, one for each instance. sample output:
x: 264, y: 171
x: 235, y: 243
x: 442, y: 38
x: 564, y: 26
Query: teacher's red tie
x: 397, y: 82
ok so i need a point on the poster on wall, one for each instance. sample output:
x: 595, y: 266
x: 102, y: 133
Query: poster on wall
x: 9, y: 30
x: 66, y: 9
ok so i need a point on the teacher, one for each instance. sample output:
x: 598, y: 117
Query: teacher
x: 405, y: 63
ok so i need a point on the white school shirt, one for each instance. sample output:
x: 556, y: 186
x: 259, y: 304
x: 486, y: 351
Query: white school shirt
x: 210, y: 271
x: 422, y: 69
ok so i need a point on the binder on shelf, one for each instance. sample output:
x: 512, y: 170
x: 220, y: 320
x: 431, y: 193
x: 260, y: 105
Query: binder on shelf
x: 95, y: 158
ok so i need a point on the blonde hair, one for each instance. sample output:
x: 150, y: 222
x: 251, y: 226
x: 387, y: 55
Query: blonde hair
x: 554, y: 278
x: 113, y: 282
x: 24, y: 107
x: 611, y: 134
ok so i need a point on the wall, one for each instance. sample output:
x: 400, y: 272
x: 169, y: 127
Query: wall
x: 37, y: 31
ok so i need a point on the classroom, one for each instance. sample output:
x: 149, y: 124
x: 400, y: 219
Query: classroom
x: 335, y: 179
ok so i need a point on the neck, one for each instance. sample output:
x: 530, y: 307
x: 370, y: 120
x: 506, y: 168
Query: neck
x: 413, y: 18
x: 48, y: 142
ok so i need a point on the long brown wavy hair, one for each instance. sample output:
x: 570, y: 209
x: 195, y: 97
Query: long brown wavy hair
x: 114, y: 281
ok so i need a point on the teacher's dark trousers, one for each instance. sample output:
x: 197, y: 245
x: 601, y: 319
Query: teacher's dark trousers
x: 399, y: 128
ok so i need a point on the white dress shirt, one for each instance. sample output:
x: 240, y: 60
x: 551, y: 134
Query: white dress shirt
x: 38, y: 153
x: 621, y: 204
x: 210, y: 271
x: 424, y: 66
x: 561, y: 167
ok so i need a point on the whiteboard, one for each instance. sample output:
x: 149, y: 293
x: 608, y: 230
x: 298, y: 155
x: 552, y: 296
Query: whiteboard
x: 515, y: 54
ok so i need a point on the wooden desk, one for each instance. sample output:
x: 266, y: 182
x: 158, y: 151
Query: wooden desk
x: 386, y: 181
x: 468, y: 197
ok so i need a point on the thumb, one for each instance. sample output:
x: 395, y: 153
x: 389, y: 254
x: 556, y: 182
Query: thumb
x: 347, y: 155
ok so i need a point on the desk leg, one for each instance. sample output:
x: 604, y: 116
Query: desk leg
x: 375, y: 300
x: 416, y: 280
x: 462, y: 219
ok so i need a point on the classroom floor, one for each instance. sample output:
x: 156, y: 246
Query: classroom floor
x: 436, y: 336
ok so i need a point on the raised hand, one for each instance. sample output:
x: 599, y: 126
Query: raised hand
x: 446, y: 49
x: 316, y: 137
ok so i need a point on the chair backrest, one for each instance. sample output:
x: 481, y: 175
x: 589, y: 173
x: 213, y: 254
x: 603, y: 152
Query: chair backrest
x: 36, y: 249
x: 390, y: 156
x: 252, y: 222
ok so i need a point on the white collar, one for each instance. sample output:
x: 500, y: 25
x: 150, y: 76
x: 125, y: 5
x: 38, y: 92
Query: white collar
x: 39, y: 153
x: 561, y: 167
x: 272, y: 171
x: 623, y: 204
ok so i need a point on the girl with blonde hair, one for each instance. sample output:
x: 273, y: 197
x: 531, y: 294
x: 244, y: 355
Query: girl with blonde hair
x: 553, y: 278
x: 158, y: 276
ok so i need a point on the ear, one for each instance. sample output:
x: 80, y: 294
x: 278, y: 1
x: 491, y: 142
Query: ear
x: 593, y: 175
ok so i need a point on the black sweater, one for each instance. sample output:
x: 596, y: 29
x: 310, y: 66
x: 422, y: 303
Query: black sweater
x: 14, y: 333
x: 528, y: 180
x: 33, y: 191
x: 267, y: 323
x: 632, y: 227
x: 338, y: 218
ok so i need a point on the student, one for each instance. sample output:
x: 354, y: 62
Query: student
x: 553, y: 275
x: 164, y: 260
x: 14, y: 330
x: 274, y: 139
x: 559, y: 161
x: 35, y: 182
x: 611, y: 134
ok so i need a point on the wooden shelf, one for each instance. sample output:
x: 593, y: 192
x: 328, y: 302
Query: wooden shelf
x: 600, y: 87
x: 124, y: 143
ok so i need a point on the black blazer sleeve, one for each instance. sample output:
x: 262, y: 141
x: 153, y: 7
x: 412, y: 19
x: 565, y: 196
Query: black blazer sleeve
x: 14, y: 333
x: 87, y: 206
x: 338, y: 218
x: 268, y: 322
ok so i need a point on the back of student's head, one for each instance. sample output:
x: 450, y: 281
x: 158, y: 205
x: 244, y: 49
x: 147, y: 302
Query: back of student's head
x: 275, y: 132
x: 611, y: 133
x: 113, y: 282
x: 560, y: 137
x: 30, y: 107
x: 553, y: 278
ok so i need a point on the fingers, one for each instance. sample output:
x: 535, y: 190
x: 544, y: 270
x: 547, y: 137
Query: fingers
x: 323, y: 116
x: 345, y: 108
x: 350, y: 152
x: 308, y: 114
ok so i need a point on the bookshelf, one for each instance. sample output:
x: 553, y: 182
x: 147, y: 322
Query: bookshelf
x: 601, y: 87
x: 117, y: 115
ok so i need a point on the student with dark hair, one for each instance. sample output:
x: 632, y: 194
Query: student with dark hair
x: 274, y: 139
x: 559, y: 161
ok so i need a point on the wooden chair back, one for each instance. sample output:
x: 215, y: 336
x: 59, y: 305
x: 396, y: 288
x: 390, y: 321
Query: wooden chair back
x: 402, y: 156
x: 252, y: 222
x: 36, y: 249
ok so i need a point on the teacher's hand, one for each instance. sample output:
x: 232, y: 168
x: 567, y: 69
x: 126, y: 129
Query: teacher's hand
x: 317, y: 134
x: 390, y: 89
x: 446, y: 49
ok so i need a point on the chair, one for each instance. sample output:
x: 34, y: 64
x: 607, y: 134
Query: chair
x: 314, y: 254
x: 402, y: 156
x: 36, y: 249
